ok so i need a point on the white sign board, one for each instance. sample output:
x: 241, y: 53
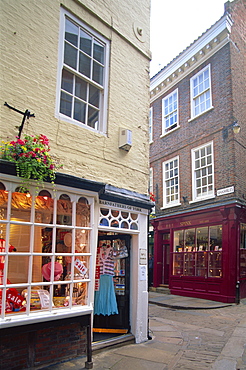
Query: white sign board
x: 224, y: 191
x: 143, y: 257
x: 142, y: 272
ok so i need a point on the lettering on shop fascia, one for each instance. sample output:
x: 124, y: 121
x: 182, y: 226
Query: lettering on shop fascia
x: 119, y: 205
x: 167, y: 226
x: 185, y: 223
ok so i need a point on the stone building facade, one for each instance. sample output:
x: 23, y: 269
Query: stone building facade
x: 80, y: 72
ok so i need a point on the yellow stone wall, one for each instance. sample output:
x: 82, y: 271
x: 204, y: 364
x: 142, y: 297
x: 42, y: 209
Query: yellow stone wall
x: 29, y: 62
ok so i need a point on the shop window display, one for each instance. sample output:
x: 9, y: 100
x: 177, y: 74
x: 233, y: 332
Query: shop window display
x: 198, y: 252
x: 44, y: 251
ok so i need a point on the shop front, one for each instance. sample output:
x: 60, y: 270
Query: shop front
x: 52, y: 244
x: 202, y: 253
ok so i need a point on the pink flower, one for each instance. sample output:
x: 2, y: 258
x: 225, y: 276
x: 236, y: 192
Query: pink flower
x: 21, y: 142
x: 52, y: 167
x: 43, y: 139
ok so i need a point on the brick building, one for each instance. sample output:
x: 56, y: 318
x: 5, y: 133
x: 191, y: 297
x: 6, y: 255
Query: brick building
x: 197, y: 164
x: 78, y: 72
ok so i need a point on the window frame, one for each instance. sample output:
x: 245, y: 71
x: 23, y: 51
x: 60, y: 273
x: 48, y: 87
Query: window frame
x: 166, y: 131
x: 40, y: 315
x: 177, y: 201
x: 209, y: 89
x: 103, y: 99
x: 195, y: 198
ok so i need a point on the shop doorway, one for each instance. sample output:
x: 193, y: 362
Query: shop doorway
x: 108, y: 326
x: 165, y: 258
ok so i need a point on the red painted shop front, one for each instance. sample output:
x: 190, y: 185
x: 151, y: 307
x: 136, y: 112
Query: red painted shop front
x: 207, y: 254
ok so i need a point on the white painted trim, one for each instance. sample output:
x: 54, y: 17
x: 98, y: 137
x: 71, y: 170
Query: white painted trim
x: 194, y: 199
x: 224, y: 23
x: 103, y: 114
x: 208, y: 66
x: 163, y: 113
x: 173, y: 204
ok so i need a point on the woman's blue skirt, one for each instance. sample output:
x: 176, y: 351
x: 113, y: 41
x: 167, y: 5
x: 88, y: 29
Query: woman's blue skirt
x: 105, y: 300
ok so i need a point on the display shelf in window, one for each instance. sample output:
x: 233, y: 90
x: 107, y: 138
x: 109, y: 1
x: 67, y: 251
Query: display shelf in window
x: 189, y: 265
x: 201, y: 264
x: 178, y: 263
x: 215, y: 264
x: 243, y: 263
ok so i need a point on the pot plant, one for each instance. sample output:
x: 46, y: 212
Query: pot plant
x: 32, y: 158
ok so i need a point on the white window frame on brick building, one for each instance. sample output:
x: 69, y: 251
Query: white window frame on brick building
x: 203, y: 172
x: 151, y: 125
x: 171, y: 189
x: 170, y: 118
x: 200, y: 90
x: 82, y: 81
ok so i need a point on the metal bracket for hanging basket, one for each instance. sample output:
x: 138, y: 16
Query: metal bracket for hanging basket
x: 27, y: 114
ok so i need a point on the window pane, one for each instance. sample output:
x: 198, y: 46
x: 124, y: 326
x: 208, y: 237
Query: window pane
x: 178, y: 241
x: 98, y: 52
x: 189, y: 239
x: 44, y: 209
x: 97, y: 73
x: 71, y: 32
x: 79, y: 111
x: 202, y: 239
x: 94, y: 95
x: 18, y: 269
x: 82, y: 213
x: 21, y: 206
x: 64, y: 210
x: 80, y: 88
x: 70, y: 56
x: 84, y: 65
x: 93, y: 116
x: 215, y: 237
x: 3, y: 203
x: 20, y: 237
x: 37, y: 269
x: 67, y: 81
x: 85, y: 42
x: 66, y: 104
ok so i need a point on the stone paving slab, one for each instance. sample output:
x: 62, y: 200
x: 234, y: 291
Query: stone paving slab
x: 143, y: 352
x: 175, y: 301
x: 181, y: 340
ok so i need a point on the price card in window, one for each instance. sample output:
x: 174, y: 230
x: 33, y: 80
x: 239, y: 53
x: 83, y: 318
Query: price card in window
x: 80, y: 266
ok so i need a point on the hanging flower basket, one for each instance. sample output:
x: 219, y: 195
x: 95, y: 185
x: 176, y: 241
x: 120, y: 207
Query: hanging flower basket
x: 31, y: 157
x: 152, y: 197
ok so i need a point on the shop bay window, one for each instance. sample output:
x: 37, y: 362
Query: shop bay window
x: 45, y: 252
x: 198, y: 252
